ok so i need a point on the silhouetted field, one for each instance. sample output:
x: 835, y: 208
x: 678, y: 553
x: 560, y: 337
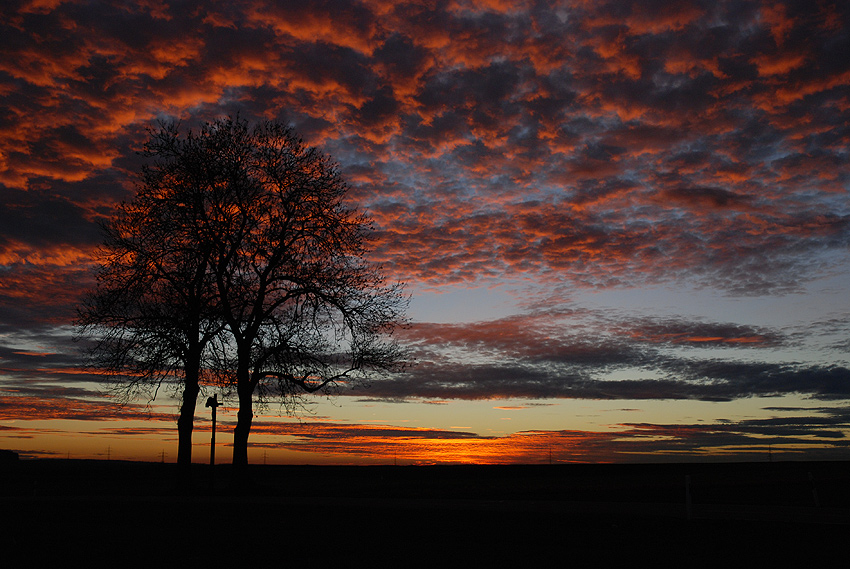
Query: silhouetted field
x: 584, y: 515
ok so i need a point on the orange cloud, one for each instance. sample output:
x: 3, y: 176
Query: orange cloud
x: 59, y: 256
x: 353, y: 27
x: 775, y: 15
x: 779, y: 64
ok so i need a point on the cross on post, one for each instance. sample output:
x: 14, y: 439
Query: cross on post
x: 213, y: 402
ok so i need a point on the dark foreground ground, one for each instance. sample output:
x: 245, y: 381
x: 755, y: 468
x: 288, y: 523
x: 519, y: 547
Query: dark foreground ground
x: 101, y: 512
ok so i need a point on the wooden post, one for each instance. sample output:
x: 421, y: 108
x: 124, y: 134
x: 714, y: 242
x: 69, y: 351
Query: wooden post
x: 212, y: 402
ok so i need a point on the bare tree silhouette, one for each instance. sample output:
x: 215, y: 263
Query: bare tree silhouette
x: 152, y: 316
x: 239, y: 259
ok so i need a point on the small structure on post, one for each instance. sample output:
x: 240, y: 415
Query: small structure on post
x: 212, y: 402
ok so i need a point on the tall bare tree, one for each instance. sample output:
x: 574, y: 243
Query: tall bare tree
x: 152, y: 315
x: 304, y: 309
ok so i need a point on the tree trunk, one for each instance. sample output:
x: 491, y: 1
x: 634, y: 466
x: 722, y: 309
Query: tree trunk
x: 244, y: 418
x: 185, y: 426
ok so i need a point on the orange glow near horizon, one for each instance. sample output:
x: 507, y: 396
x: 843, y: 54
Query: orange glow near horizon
x: 154, y: 439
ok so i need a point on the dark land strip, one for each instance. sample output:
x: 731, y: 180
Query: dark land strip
x: 577, y: 514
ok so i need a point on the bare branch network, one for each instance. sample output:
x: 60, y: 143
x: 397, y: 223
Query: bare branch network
x: 238, y: 263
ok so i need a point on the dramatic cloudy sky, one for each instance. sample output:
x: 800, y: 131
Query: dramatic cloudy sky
x: 624, y: 224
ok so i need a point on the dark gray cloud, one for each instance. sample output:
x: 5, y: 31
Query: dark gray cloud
x: 645, y: 358
x: 704, y: 380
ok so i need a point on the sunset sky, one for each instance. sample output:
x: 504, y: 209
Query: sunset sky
x: 624, y: 225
